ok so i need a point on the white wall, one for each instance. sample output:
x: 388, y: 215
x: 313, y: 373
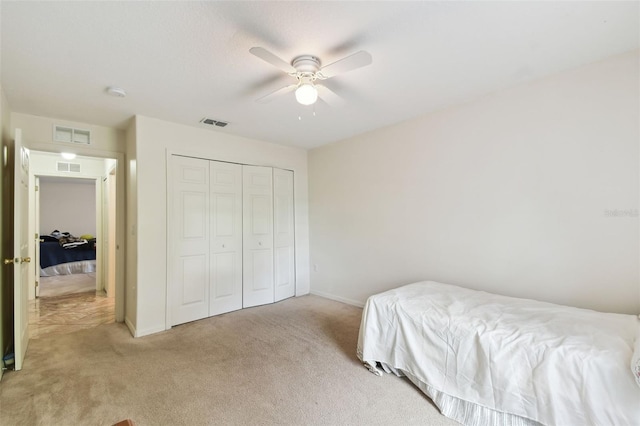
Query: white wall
x: 155, y: 140
x: 530, y: 192
x: 68, y: 206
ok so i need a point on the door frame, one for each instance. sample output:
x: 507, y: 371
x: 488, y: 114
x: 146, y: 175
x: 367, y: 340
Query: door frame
x: 120, y: 210
x: 108, y: 226
x: 34, y: 218
x: 99, y: 219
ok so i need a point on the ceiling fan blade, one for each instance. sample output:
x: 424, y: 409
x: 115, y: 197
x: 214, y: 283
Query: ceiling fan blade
x: 329, y: 96
x: 276, y: 93
x: 352, y: 62
x: 269, y: 57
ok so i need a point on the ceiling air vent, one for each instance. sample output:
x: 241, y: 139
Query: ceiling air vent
x: 63, y: 166
x: 71, y: 135
x: 212, y: 122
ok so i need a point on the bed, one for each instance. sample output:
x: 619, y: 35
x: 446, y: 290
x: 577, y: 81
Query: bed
x: 76, y: 258
x: 486, y: 359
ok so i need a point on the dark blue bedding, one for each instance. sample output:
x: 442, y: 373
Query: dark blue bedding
x: 51, y: 253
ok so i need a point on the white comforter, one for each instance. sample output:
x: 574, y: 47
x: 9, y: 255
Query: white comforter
x: 551, y: 364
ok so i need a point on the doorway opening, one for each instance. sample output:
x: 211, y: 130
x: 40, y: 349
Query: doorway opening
x: 72, y: 213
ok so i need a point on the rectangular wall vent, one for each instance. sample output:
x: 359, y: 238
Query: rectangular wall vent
x: 212, y: 122
x: 63, y: 166
x: 71, y: 135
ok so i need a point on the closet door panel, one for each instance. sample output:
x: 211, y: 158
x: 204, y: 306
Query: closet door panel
x: 191, y: 271
x: 190, y: 240
x: 260, y: 278
x: 226, y: 237
x: 284, y: 237
x: 257, y: 194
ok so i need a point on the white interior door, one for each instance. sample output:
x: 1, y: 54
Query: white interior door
x: 226, y: 237
x: 190, y: 240
x: 21, y: 250
x: 283, y: 234
x: 257, y: 194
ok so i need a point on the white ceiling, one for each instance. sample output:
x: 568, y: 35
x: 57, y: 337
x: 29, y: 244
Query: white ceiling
x: 183, y: 61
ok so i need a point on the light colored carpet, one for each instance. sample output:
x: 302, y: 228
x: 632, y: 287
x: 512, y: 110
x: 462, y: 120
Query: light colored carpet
x: 290, y: 363
x: 59, y: 285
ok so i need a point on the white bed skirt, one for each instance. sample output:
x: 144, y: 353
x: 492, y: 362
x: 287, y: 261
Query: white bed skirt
x: 80, y: 267
x: 467, y: 413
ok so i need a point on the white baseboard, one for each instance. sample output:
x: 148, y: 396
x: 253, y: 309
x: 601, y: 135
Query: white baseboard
x: 338, y: 298
x: 148, y: 331
x: 130, y: 326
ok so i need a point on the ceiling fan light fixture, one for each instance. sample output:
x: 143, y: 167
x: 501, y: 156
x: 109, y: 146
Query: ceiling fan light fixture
x: 306, y: 94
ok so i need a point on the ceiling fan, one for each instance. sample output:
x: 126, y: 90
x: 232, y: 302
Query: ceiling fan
x: 308, y: 70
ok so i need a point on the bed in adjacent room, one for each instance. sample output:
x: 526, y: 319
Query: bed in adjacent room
x: 63, y: 254
x: 486, y: 359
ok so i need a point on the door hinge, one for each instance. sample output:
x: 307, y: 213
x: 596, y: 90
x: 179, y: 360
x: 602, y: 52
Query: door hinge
x: 37, y: 284
x: 37, y: 188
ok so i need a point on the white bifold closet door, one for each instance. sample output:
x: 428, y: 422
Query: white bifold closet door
x: 257, y: 195
x: 225, y: 276
x: 232, y: 237
x: 190, y: 240
x: 283, y: 234
x: 207, y: 239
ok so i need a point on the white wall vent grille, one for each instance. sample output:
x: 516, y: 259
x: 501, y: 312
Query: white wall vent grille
x: 71, y: 135
x: 63, y: 166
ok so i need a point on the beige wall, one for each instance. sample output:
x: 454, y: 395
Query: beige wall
x: 155, y: 140
x: 38, y: 135
x: 530, y: 192
x: 131, y: 295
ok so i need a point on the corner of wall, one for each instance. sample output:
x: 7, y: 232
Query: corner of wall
x: 130, y: 326
x: 131, y: 268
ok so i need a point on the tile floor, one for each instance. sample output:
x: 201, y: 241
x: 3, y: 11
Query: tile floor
x: 66, y: 313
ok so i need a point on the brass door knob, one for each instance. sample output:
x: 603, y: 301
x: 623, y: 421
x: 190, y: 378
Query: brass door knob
x: 8, y: 261
x: 25, y: 260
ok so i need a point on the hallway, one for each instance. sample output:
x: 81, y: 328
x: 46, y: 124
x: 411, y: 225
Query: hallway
x: 72, y: 311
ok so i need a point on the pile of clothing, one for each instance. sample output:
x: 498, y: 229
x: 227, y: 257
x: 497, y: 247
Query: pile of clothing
x: 67, y: 241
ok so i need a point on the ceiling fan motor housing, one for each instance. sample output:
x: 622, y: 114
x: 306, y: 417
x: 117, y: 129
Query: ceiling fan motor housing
x: 306, y: 64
